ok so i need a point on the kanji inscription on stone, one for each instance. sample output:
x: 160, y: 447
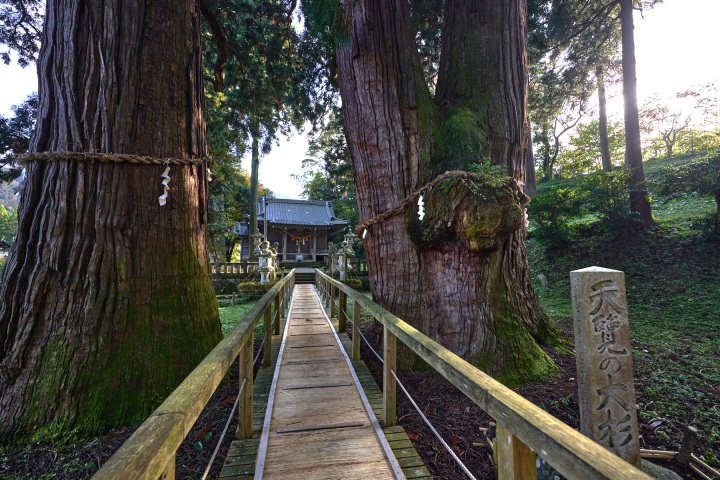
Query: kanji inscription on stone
x: 604, y: 363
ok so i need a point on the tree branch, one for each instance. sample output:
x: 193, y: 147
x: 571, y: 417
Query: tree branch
x: 222, y: 44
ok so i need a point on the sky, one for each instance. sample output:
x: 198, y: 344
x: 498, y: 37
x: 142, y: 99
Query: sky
x: 676, y: 48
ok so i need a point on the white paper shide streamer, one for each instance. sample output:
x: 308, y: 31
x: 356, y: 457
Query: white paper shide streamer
x: 209, y: 173
x: 421, y: 208
x: 165, y: 182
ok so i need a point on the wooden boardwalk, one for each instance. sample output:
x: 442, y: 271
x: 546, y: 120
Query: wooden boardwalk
x: 327, y: 428
x: 318, y: 424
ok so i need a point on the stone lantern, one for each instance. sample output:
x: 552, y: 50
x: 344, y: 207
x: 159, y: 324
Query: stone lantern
x: 330, y: 260
x: 256, y: 238
x: 346, y: 255
x: 265, y: 262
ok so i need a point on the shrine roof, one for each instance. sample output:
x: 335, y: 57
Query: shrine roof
x: 314, y: 213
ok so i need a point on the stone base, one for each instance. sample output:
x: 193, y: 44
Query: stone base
x: 658, y: 472
x: 546, y: 472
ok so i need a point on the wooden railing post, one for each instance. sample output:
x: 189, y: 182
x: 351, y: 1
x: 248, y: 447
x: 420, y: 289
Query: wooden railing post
x: 389, y: 383
x: 342, y: 313
x: 267, y: 348
x: 169, y: 473
x: 332, y: 301
x: 276, y: 317
x: 245, y: 407
x: 356, y: 331
x: 281, y: 293
x: 515, y: 461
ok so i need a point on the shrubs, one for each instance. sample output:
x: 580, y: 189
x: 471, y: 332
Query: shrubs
x: 601, y: 196
x: 607, y: 196
x: 697, y: 177
x: 353, y: 283
x: 552, y: 213
x: 224, y: 286
x: 253, y: 290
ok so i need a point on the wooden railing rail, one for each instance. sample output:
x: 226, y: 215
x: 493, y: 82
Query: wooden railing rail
x: 524, y: 429
x: 149, y: 454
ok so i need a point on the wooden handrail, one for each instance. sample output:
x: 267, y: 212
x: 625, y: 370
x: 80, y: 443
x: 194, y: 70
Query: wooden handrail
x: 150, y: 452
x: 568, y: 451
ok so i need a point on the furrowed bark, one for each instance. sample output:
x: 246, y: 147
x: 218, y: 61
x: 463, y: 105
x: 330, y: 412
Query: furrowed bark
x: 107, y: 301
x: 461, y: 275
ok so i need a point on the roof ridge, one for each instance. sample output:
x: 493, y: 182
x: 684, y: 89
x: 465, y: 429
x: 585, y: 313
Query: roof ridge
x: 293, y: 200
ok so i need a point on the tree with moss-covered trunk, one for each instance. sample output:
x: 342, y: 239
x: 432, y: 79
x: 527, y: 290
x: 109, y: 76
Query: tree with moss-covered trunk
x: 460, y: 275
x: 107, y: 302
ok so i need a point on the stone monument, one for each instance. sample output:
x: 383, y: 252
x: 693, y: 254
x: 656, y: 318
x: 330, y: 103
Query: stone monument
x: 608, y: 412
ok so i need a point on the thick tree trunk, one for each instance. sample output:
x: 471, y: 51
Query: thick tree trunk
x: 107, y: 302
x: 461, y: 275
x: 602, y: 121
x: 639, y: 199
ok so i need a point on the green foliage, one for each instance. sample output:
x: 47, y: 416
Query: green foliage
x: 426, y: 17
x: 21, y: 29
x: 15, y: 135
x: 354, y: 283
x: 583, y: 155
x: 685, y: 124
x: 253, y: 290
x: 328, y: 173
x: 607, y: 196
x: 694, y: 140
x: 461, y: 141
x: 491, y: 175
x: 230, y: 316
x: 697, y: 177
x: 552, y: 213
x: 263, y: 97
x: 8, y: 224
x: 224, y: 287
x: 326, y: 20
x: 700, y: 176
x: 561, y: 212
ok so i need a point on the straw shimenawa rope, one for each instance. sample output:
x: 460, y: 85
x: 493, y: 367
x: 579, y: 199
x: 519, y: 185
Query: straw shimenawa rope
x: 412, y: 198
x: 110, y: 158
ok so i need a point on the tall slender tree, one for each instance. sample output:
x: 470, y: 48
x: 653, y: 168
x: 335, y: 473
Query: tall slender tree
x: 259, y: 68
x: 461, y: 274
x: 639, y: 198
x: 107, y: 302
x: 603, y: 120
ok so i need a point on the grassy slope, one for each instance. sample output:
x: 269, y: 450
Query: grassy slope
x: 673, y: 285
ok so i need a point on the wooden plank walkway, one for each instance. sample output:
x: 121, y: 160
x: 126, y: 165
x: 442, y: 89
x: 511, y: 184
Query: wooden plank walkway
x: 321, y: 426
x: 318, y: 426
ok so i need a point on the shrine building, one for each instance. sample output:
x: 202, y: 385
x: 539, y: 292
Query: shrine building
x: 300, y: 227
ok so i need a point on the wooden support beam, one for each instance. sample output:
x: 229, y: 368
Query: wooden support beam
x: 356, y: 331
x: 267, y: 328
x: 389, y: 383
x: 276, y: 317
x: 515, y: 461
x: 332, y: 301
x: 342, y: 313
x: 245, y: 405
